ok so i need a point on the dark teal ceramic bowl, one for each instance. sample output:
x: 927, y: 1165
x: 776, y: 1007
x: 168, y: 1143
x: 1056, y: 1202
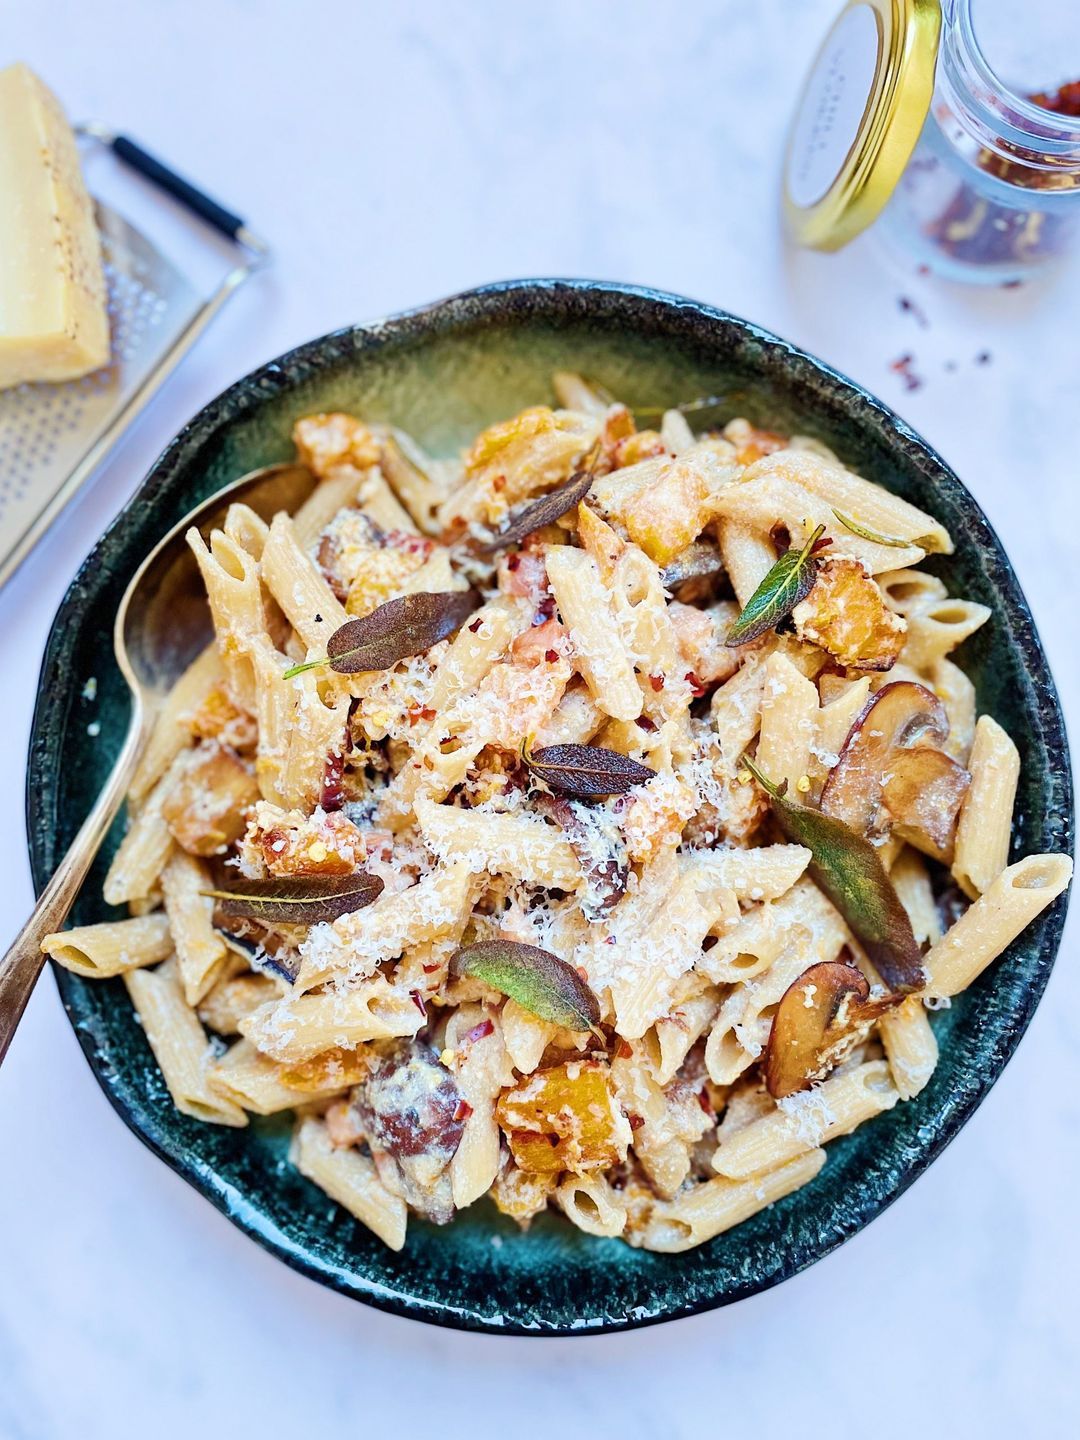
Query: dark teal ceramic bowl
x: 441, y: 373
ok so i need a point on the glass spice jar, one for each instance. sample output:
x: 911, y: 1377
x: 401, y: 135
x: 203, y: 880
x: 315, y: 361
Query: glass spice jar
x: 992, y: 191
x: 968, y: 137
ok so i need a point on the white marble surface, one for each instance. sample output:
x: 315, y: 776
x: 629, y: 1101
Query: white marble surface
x: 393, y: 154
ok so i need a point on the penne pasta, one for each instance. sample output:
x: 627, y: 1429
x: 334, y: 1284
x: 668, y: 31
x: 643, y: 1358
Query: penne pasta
x: 99, y: 951
x: 351, y: 1180
x: 180, y: 1046
x: 583, y: 969
x: 985, y: 825
x: 1010, y: 903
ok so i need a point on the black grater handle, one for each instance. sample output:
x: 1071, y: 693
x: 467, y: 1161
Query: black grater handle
x: 196, y: 200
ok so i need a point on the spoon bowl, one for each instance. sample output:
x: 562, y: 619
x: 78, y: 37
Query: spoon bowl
x: 162, y: 624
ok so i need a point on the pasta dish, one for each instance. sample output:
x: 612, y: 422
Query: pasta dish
x: 589, y: 822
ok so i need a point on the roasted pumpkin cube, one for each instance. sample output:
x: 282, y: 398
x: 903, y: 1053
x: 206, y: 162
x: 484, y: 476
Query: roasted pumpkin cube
x: 383, y: 576
x: 207, y: 808
x: 325, y: 443
x: 515, y: 459
x: 522, y: 1195
x: 751, y: 443
x: 217, y: 718
x: 504, y: 435
x: 329, y: 1070
x: 565, y: 1118
x: 845, y: 614
x: 288, y: 842
x: 645, y: 445
x: 668, y: 513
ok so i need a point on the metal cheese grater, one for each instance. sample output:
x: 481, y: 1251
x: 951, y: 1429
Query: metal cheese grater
x: 53, y: 437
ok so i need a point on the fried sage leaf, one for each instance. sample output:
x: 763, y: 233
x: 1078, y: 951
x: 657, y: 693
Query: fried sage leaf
x: 684, y: 407
x: 539, y: 981
x: 849, y: 870
x: 787, y: 584
x: 545, y: 511
x: 588, y: 772
x: 297, y: 900
x: 895, y: 542
x: 821, y: 1015
x: 406, y: 626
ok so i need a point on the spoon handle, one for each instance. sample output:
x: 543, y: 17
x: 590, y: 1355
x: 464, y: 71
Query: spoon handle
x: 21, y: 966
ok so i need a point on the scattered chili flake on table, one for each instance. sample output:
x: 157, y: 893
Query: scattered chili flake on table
x: 902, y: 367
x: 917, y: 313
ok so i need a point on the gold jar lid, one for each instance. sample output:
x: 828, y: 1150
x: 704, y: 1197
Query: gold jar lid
x: 859, y: 116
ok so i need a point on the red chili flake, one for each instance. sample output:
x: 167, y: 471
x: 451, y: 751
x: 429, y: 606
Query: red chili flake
x: 430, y: 969
x: 463, y: 1111
x: 609, y: 939
x: 499, y: 483
x: 909, y: 307
x: 636, y: 1121
x: 695, y: 684
x: 656, y: 681
x: 478, y: 1032
x: 625, y: 1050
x: 822, y: 543
x: 410, y: 543
x: 475, y: 626
x: 418, y: 1001
x: 332, y: 793
x: 551, y: 656
x: 705, y: 1103
x: 513, y: 561
x: 646, y: 724
x: 902, y: 367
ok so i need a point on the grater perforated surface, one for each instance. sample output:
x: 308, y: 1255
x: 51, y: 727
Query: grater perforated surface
x: 47, y: 430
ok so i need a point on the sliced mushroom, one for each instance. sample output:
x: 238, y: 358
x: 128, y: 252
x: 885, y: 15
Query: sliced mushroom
x: 821, y: 1016
x: 411, y: 1112
x: 900, y: 717
x: 923, y: 793
x: 595, y: 838
x: 700, y: 559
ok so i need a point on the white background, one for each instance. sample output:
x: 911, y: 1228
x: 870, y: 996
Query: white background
x: 394, y: 154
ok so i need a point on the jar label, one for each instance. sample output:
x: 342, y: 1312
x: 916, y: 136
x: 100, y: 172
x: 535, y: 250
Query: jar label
x: 833, y: 106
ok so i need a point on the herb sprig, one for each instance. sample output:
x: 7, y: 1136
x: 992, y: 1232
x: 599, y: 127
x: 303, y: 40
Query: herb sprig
x: 788, y: 582
x: 548, y: 987
x: 849, y: 870
x: 393, y: 631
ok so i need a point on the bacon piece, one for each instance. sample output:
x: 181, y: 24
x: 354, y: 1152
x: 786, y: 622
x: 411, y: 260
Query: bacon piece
x: 546, y: 642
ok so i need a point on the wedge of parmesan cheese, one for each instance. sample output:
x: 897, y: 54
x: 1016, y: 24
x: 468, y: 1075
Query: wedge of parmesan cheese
x: 53, y: 319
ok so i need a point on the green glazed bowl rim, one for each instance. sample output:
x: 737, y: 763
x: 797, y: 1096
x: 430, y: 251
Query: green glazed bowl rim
x: 578, y: 301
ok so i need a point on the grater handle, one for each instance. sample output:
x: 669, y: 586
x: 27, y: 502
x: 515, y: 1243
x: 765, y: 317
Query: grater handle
x: 23, y: 963
x: 180, y: 189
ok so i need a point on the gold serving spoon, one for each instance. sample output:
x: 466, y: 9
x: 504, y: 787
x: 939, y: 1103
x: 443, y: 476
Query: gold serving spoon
x: 162, y: 624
